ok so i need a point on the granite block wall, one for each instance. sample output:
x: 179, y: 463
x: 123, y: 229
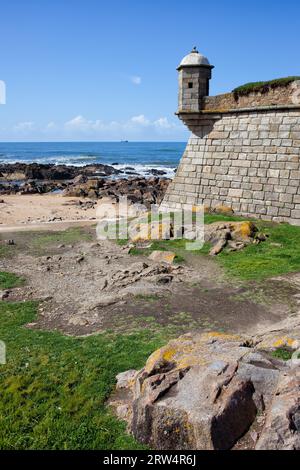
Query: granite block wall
x: 249, y: 160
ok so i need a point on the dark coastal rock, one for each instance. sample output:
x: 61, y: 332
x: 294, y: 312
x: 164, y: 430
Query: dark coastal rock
x: 51, y: 172
x: 138, y: 190
x: 156, y: 172
x: 90, y: 181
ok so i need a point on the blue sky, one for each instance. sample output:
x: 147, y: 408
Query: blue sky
x: 106, y: 70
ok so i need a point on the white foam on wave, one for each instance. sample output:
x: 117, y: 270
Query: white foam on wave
x: 132, y: 168
x: 68, y: 160
x: 144, y: 170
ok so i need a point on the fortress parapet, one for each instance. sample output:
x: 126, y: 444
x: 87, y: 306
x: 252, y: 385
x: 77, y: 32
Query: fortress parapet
x: 244, y: 148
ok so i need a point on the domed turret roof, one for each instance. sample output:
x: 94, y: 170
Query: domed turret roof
x: 194, y: 58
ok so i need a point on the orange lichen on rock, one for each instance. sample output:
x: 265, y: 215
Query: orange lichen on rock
x: 243, y: 230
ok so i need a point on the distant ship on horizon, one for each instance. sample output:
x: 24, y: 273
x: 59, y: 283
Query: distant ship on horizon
x: 124, y: 141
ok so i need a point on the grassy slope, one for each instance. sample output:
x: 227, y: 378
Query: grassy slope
x: 280, y: 254
x: 53, y: 387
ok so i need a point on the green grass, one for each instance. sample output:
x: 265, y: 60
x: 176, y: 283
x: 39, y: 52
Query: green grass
x: 282, y: 353
x: 69, y: 236
x: 10, y: 280
x: 263, y: 87
x: 279, y: 254
x: 211, y: 218
x: 54, y: 387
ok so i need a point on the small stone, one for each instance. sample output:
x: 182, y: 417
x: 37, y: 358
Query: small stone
x: 165, y: 280
x: 4, y: 294
x: 261, y: 236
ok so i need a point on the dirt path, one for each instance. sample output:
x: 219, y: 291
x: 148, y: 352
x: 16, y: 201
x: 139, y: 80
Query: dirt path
x: 87, y: 286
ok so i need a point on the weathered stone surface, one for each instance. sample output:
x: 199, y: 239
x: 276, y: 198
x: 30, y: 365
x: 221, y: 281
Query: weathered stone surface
x: 234, y: 234
x: 223, y: 209
x: 205, y: 391
x: 162, y: 256
x: 124, y: 379
x: 218, y: 247
x: 249, y: 161
x: 282, y: 427
x: 150, y: 231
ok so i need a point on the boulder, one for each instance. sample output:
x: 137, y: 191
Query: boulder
x: 150, y: 231
x: 234, y: 234
x: 162, y: 256
x: 206, y: 391
x: 223, y: 209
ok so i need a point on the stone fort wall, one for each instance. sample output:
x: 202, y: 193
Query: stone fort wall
x: 247, y: 158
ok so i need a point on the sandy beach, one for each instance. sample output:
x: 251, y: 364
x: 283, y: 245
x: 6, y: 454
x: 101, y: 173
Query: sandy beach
x: 47, y: 210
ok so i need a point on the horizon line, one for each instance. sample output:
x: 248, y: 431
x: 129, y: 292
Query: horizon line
x: 86, y: 141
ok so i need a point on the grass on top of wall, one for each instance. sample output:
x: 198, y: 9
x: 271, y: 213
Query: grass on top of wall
x: 263, y: 87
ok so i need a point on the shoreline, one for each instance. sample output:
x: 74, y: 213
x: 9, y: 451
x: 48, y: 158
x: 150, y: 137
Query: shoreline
x: 67, y: 195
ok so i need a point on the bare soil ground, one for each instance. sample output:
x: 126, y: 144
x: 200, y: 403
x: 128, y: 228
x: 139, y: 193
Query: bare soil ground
x: 87, y: 286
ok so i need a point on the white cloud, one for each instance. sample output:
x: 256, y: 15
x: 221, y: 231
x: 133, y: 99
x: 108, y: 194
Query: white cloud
x: 138, y: 127
x: 136, y: 80
x: 24, y: 126
x: 140, y: 119
x: 79, y: 123
x: 51, y: 125
x: 163, y: 123
x: 2, y: 92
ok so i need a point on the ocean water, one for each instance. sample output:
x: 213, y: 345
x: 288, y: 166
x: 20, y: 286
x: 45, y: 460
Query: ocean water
x: 141, y: 156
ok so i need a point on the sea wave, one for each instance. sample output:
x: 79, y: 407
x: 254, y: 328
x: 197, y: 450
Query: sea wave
x: 127, y: 169
x: 68, y: 160
x: 145, y: 170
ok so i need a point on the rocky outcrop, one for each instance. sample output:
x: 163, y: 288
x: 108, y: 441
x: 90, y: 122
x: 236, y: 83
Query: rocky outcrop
x: 138, y: 190
x: 282, y: 428
x: 234, y: 235
x: 51, y: 172
x: 90, y: 181
x: 211, y: 391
